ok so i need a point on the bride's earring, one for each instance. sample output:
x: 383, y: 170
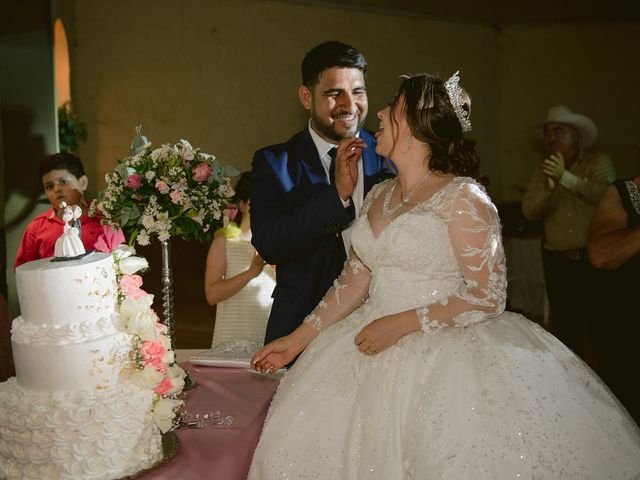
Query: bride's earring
x: 409, y: 142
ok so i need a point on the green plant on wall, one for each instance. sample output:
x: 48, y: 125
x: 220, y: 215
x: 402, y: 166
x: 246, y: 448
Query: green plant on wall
x: 70, y: 129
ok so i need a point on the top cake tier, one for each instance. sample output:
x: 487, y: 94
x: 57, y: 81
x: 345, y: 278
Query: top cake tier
x: 68, y: 292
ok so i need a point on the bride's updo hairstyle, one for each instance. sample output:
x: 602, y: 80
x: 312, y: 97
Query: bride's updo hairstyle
x: 432, y: 119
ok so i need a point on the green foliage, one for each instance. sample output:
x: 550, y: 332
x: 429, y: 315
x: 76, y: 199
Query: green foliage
x: 70, y: 129
x: 163, y: 192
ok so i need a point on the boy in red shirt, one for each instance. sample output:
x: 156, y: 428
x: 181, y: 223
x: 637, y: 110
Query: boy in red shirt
x: 64, y: 180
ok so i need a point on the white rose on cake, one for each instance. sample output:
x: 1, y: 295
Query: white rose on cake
x: 143, y: 324
x: 131, y: 265
x: 148, y: 377
x: 131, y: 306
x: 164, y: 411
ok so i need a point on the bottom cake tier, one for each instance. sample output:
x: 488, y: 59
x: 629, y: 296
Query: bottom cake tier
x: 90, y: 434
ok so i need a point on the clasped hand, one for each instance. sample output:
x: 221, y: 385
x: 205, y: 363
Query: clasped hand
x: 553, y: 167
x: 347, y: 157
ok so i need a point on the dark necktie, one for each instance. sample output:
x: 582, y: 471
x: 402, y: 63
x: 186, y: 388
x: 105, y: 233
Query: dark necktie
x: 332, y: 175
x: 332, y: 166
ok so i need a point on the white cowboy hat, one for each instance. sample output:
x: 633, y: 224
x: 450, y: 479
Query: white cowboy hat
x: 584, y: 125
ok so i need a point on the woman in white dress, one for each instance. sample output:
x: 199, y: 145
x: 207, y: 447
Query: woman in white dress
x: 236, y: 278
x: 411, y: 368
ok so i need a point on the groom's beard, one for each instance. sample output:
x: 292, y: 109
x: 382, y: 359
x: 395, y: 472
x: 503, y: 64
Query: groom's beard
x: 329, y: 131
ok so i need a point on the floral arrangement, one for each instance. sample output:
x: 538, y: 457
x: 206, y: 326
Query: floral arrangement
x: 153, y: 361
x: 167, y: 191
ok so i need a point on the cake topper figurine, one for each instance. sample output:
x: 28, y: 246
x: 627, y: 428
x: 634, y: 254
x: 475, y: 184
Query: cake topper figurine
x: 69, y: 245
x: 139, y: 142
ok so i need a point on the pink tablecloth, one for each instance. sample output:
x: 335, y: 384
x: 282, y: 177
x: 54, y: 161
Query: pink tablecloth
x: 220, y: 452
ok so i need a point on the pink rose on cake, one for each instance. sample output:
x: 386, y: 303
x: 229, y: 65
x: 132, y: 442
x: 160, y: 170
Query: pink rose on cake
x: 153, y: 358
x: 130, y: 286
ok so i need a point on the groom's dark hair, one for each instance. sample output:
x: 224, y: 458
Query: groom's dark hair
x: 327, y: 55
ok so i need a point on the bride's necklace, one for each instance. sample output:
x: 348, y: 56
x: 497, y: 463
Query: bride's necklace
x: 386, y: 210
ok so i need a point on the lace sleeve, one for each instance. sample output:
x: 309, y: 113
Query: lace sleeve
x: 474, y: 231
x: 348, y: 292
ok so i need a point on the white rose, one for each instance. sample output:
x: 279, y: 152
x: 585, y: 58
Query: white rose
x: 131, y: 265
x: 168, y: 357
x: 164, y: 411
x: 131, y: 306
x: 147, y: 378
x: 177, y: 384
x: 143, y: 324
x: 123, y: 251
x: 176, y: 371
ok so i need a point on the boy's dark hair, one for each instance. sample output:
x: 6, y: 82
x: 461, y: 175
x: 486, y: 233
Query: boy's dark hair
x: 327, y: 55
x: 61, y: 161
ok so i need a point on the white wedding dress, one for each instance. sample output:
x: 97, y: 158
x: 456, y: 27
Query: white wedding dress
x: 478, y: 394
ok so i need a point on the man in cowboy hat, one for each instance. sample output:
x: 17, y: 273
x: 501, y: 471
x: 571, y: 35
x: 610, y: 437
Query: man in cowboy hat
x: 563, y: 192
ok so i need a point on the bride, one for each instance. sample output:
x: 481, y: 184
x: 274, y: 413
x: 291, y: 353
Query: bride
x: 411, y: 367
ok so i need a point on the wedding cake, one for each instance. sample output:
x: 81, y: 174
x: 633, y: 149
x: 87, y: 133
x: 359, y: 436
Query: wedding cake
x: 74, y: 409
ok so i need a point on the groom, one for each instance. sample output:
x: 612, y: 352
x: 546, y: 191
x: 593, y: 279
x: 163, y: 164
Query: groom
x: 305, y: 193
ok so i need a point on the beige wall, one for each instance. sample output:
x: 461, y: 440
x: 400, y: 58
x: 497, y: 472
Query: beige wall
x: 224, y: 74
x: 592, y: 69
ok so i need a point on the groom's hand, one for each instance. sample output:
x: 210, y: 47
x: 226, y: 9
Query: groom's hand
x: 347, y: 158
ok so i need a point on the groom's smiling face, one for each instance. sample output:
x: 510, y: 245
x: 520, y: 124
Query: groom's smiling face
x: 338, y: 103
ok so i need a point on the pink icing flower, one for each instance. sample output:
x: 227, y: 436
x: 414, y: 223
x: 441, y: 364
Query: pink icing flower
x: 176, y: 196
x: 162, y: 187
x: 201, y: 172
x: 130, y: 285
x: 133, y: 181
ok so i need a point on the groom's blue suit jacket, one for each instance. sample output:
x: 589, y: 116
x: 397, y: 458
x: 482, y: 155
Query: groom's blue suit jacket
x: 296, y: 219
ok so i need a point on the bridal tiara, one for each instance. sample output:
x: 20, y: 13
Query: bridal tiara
x: 455, y: 93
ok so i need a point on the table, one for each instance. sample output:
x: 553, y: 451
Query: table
x: 220, y: 452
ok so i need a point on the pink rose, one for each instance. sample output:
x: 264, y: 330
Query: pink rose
x: 130, y: 285
x: 163, y: 387
x: 230, y: 211
x: 109, y: 239
x: 162, y: 187
x: 158, y: 365
x: 133, y: 181
x: 201, y: 172
x: 176, y: 196
x: 170, y: 386
x: 152, y: 349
